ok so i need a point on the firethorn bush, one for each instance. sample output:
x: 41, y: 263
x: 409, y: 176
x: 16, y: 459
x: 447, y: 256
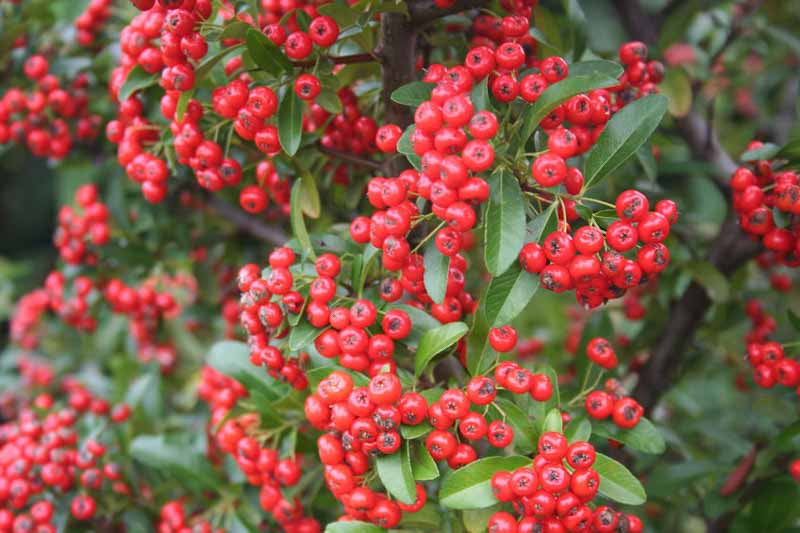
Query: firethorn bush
x: 516, y: 266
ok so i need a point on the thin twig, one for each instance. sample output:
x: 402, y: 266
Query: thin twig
x: 245, y: 222
x: 363, y: 161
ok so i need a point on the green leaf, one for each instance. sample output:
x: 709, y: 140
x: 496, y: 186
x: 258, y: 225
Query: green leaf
x: 421, y: 321
x: 290, y: 122
x: 395, y: 473
x: 329, y: 101
x: 645, y: 156
x: 235, y: 30
x: 578, y: 429
x: 504, y: 221
x: 790, y: 151
x: 519, y: 421
x: 137, y: 80
x: 560, y: 92
x: 435, y: 341
x: 429, y: 518
x: 469, y: 487
x: 775, y: 505
x: 553, y: 421
x: 353, y: 526
x: 309, y: 196
x: 712, y: 280
x: 232, y: 358
x: 413, y: 94
x: 617, y: 483
x: 437, y: 267
x: 596, y: 67
x: 189, y: 466
x: 208, y: 63
x: 302, y: 336
x: 296, y: 219
x: 266, y: 55
x: 404, y: 147
x: 644, y: 437
x: 766, y: 151
x: 422, y: 464
x: 480, y: 96
x: 794, y: 320
x: 367, y: 258
x: 315, y: 375
x: 678, y: 89
x: 627, y: 130
x: 415, y: 432
x: 183, y: 102
x: 508, y: 294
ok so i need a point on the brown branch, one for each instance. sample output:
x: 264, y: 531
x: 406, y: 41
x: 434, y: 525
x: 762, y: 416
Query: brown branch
x: 730, y: 249
x: 245, y: 222
x: 345, y: 156
x: 424, y: 11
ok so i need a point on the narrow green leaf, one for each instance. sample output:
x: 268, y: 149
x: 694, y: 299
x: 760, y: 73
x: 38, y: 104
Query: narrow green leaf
x: 266, y: 55
x: 504, y: 221
x: 422, y: 464
x: 559, y: 93
x: 596, y: 67
x: 136, y: 80
x: 415, y: 432
x: 578, y: 429
x: 677, y: 87
x: 480, y: 96
x: 627, y: 130
x: 521, y: 424
x: 645, y: 156
x: 395, y: 473
x: 235, y: 30
x: 435, y: 341
x: 309, y: 196
x: 508, y: 295
x: 765, y: 151
x: 553, y: 421
x: 188, y: 466
x: 437, y: 267
x: 644, y: 437
x: 429, y: 518
x: 183, y: 102
x: 413, y: 94
x: 232, y: 358
x: 404, y: 147
x: 204, y: 68
x: 421, y: 321
x: 775, y: 505
x: 302, y: 336
x: 353, y: 526
x: 469, y: 487
x: 290, y: 122
x: 794, y: 320
x: 329, y: 101
x: 297, y: 221
x: 617, y: 483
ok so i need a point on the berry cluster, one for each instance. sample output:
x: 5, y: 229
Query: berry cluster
x: 40, y: 117
x: 614, y: 402
x: 770, y: 364
x: 554, y: 493
x: 592, y: 261
x: 71, y: 305
x: 41, y: 460
x: 759, y: 195
x: 145, y: 307
x: 76, y: 230
x: 173, y: 519
x: 91, y: 21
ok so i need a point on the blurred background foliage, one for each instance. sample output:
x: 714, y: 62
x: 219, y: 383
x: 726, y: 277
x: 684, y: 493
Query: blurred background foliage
x: 746, y: 86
